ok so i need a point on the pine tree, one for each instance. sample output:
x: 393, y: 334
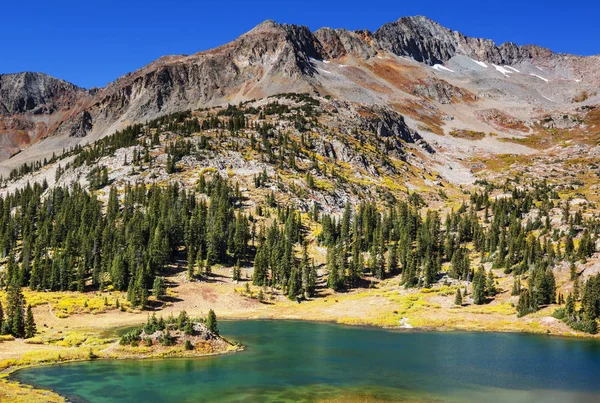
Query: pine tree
x: 30, y: 328
x: 15, y: 321
x: 335, y: 279
x: 393, y: 258
x: 569, y: 308
x: 490, y: 285
x: 569, y: 246
x: 158, y: 288
x: 479, y: 280
x: 458, y: 298
x: 190, y: 264
x: 18, y: 321
x: 572, y: 271
x: 182, y: 320
x: 237, y: 272
x: 576, y: 289
x: 527, y: 303
x: 516, y: 289
x: 211, y: 322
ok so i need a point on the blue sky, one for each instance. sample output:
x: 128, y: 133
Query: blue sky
x: 91, y: 43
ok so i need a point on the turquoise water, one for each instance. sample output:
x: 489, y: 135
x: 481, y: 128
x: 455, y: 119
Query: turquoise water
x: 302, y: 361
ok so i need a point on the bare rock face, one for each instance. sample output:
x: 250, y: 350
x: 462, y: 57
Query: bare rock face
x: 82, y: 125
x: 387, y: 123
x: 341, y: 42
x: 440, y: 91
x: 35, y: 93
x: 419, y: 38
x: 428, y: 42
x: 33, y: 106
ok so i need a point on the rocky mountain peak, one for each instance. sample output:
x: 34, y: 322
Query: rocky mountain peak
x: 429, y: 42
x: 34, y: 92
x: 267, y: 25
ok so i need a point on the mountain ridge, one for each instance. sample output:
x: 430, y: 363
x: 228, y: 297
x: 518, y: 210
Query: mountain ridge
x: 275, y: 58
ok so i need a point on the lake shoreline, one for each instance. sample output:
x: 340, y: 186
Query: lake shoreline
x: 6, y: 374
x: 113, y: 352
x: 420, y: 329
x: 265, y: 330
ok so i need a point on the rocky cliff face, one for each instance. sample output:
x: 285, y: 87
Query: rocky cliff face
x: 428, y: 42
x: 35, y: 93
x: 33, y: 106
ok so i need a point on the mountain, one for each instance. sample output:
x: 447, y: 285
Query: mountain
x: 410, y: 176
x: 392, y: 66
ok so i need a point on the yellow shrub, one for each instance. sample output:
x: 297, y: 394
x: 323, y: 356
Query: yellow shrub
x: 34, y: 340
x: 72, y: 340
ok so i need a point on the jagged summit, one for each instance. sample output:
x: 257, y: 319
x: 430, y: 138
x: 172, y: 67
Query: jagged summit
x: 28, y: 91
x: 266, y: 25
x: 429, y: 42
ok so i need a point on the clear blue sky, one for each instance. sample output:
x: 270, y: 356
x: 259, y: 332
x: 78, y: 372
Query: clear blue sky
x: 91, y: 43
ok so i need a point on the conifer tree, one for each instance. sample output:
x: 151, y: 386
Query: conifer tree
x: 570, y: 308
x: 158, y: 288
x: 527, y: 303
x: 393, y: 258
x: 236, y: 274
x: 15, y: 321
x: 211, y: 322
x: 479, y: 283
x: 190, y: 264
x: 516, y: 289
x: 30, y: 328
x: 490, y: 285
x: 458, y: 298
x: 18, y: 321
x: 572, y: 271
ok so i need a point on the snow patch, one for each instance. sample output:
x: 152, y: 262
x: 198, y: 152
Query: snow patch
x: 539, y: 68
x: 326, y: 61
x: 540, y: 77
x: 439, y: 67
x: 547, y: 98
x: 502, y: 70
x: 577, y: 81
x: 482, y: 64
x: 512, y: 68
x: 325, y: 71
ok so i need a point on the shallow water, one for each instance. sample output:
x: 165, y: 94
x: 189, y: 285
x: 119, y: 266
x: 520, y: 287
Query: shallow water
x: 302, y: 361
